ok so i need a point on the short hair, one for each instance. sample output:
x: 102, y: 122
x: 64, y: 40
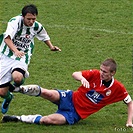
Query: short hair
x: 29, y: 9
x: 110, y: 63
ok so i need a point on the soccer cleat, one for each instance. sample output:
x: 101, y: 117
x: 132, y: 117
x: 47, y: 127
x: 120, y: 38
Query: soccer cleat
x: 8, y: 118
x: 5, y: 104
x: 32, y: 90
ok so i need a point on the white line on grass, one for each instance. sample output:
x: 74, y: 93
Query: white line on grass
x: 87, y: 28
x: 84, y: 28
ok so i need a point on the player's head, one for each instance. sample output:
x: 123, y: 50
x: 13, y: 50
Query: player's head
x: 32, y: 9
x: 29, y: 13
x: 108, y: 69
x: 110, y: 63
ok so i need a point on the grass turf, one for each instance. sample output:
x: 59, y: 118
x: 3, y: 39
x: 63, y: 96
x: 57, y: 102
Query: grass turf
x: 87, y: 32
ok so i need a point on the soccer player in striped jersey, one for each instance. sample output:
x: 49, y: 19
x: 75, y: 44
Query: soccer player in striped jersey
x: 98, y: 89
x: 16, y: 48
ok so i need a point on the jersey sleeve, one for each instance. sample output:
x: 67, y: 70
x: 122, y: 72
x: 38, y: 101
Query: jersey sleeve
x: 88, y: 74
x: 12, y: 27
x: 42, y: 33
x: 120, y: 92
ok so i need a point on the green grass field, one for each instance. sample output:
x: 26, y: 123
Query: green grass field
x: 87, y: 31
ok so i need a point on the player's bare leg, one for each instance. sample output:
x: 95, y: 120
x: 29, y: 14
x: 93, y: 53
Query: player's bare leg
x: 56, y: 119
x: 51, y: 95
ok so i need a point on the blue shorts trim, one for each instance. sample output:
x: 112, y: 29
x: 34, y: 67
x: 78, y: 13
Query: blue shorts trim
x: 66, y: 107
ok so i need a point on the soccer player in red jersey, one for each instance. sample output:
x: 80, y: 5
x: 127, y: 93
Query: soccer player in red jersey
x: 98, y: 89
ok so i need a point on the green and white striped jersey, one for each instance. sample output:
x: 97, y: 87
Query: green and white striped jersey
x: 22, y: 37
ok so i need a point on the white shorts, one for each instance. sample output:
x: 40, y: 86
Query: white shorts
x: 7, y: 65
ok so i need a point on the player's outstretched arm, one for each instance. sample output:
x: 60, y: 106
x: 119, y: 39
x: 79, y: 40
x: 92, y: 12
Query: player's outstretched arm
x: 130, y: 114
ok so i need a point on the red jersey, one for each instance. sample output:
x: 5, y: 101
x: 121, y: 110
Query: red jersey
x: 89, y: 100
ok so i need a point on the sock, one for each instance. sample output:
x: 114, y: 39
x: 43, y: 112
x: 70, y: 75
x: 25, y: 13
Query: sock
x: 8, y: 96
x: 37, y: 120
x: 18, y: 84
x: 11, y: 88
x: 31, y: 118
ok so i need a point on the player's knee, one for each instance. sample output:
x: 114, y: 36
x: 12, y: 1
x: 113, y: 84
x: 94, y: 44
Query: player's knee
x: 17, y: 77
x: 18, y: 81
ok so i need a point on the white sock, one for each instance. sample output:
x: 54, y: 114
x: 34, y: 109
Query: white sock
x: 30, y: 118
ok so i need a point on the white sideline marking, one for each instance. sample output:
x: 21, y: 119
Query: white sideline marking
x: 83, y: 28
x: 87, y: 28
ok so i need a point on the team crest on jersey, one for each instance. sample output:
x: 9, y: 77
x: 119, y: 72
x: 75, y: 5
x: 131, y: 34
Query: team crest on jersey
x: 108, y: 92
x: 27, y: 36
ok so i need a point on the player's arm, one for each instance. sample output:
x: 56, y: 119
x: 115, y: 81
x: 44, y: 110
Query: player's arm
x: 53, y: 48
x: 43, y: 36
x: 9, y: 34
x: 78, y: 76
x: 10, y: 44
x: 129, y: 103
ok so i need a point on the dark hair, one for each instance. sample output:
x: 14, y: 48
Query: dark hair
x: 110, y: 63
x: 29, y: 9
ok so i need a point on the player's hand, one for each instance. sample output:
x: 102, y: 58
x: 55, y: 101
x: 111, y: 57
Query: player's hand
x: 19, y: 54
x: 129, y: 125
x: 85, y: 83
x: 55, y: 48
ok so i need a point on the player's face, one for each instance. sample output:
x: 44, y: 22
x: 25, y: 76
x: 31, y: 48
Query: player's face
x: 29, y: 19
x: 105, y: 73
